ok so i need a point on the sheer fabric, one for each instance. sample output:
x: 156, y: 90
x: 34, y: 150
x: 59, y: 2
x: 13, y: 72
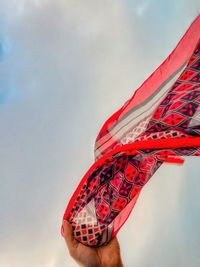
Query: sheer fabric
x: 160, y: 123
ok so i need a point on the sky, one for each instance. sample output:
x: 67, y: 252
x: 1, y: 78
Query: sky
x: 65, y: 67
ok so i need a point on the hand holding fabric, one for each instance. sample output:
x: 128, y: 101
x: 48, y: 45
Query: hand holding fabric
x: 104, y: 256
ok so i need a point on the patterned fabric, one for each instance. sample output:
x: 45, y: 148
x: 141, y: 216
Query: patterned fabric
x: 136, y: 141
x: 132, y: 118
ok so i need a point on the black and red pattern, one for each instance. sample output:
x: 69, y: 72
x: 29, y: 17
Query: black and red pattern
x: 111, y: 189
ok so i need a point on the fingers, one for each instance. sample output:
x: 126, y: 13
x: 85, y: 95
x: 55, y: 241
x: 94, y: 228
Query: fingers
x: 68, y: 235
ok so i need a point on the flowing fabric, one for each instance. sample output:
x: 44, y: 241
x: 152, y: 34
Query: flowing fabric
x: 160, y: 123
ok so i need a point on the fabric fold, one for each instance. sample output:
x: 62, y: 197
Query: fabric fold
x: 159, y: 124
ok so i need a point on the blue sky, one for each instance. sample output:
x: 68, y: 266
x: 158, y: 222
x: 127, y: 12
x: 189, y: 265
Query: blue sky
x: 66, y: 66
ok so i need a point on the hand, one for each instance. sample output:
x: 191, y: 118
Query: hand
x: 104, y: 256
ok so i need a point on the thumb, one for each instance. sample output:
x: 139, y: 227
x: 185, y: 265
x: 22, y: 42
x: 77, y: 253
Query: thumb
x: 68, y: 235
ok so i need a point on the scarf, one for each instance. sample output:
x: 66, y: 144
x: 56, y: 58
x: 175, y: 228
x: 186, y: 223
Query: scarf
x: 159, y: 123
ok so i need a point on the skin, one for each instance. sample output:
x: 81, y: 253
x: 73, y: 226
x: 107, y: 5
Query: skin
x: 104, y: 256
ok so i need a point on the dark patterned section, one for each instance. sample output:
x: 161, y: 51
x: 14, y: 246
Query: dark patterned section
x: 180, y: 107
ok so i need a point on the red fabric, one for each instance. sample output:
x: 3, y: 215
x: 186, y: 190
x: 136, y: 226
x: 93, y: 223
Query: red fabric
x: 160, y: 123
x: 171, y: 64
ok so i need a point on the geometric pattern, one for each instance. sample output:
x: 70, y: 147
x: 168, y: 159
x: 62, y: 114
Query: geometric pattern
x: 113, y: 185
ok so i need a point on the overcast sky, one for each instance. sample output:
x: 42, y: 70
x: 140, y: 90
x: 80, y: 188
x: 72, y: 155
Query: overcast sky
x: 65, y: 67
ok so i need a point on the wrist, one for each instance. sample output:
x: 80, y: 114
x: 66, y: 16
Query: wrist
x: 112, y: 263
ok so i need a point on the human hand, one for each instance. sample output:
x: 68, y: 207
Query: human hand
x: 104, y: 256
